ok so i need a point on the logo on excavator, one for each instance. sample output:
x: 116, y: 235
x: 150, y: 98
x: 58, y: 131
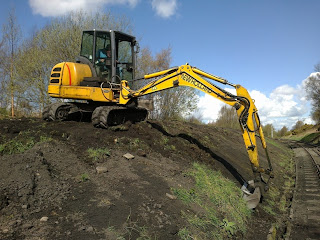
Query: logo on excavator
x: 196, y: 83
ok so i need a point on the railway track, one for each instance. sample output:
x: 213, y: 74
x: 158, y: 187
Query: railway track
x: 314, y: 153
x: 305, y: 211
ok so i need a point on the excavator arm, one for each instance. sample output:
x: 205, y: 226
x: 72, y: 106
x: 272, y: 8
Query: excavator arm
x: 186, y: 75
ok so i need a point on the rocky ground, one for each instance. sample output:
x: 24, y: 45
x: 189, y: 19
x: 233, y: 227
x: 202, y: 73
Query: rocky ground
x: 58, y: 189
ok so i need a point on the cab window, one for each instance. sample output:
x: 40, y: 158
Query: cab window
x: 103, y: 43
x: 124, y: 59
x: 87, y: 45
x: 103, y: 57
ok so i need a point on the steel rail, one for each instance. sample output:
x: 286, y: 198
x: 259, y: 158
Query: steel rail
x: 317, y: 166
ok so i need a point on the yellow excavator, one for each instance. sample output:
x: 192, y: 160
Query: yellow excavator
x: 99, y: 83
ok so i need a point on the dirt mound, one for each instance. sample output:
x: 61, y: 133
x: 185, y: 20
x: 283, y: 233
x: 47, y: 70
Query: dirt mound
x: 74, y: 183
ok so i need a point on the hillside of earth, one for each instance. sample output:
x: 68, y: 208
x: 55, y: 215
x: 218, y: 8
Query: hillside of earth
x: 149, y: 180
x: 306, y: 133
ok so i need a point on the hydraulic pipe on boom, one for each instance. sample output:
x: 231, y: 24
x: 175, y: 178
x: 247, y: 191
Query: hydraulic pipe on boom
x: 189, y: 76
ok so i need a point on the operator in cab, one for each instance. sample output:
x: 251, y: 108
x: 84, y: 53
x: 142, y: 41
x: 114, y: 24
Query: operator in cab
x: 104, y: 62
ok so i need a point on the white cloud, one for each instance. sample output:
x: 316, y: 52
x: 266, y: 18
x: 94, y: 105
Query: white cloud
x: 209, y: 108
x: 165, y: 8
x: 284, y: 106
x: 53, y: 8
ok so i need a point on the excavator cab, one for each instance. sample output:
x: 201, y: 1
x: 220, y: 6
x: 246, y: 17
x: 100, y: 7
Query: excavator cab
x: 111, y: 55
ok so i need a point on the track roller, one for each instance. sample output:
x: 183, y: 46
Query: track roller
x: 58, y: 111
x: 105, y: 116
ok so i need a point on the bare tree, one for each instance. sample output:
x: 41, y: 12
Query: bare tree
x: 227, y: 118
x: 196, y: 117
x: 283, y: 131
x: 178, y: 102
x: 268, y: 130
x: 2, y: 83
x: 313, y: 93
x: 11, y: 36
x: 298, y: 125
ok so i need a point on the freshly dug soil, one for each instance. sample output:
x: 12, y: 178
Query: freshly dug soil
x: 55, y: 190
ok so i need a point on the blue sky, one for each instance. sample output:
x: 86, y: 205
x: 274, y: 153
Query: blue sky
x: 269, y: 47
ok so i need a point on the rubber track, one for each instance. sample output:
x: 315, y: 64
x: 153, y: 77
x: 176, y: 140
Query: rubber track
x: 96, y: 116
x: 49, y: 112
x: 105, y: 116
x: 45, y: 113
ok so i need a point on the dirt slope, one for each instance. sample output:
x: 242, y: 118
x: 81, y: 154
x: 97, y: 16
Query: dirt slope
x: 58, y: 179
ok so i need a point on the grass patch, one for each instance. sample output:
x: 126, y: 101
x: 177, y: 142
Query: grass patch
x: 84, y: 177
x: 132, y: 143
x: 164, y: 141
x: 135, y: 142
x: 21, y: 143
x: 277, y: 144
x: 98, y: 153
x: 311, y: 137
x: 131, y: 230
x: 4, y: 113
x: 217, y: 208
x: 278, y: 198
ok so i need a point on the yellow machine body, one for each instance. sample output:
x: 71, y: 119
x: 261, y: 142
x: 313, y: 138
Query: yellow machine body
x: 65, y: 83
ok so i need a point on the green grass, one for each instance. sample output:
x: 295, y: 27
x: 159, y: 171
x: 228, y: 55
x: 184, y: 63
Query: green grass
x: 98, y: 153
x: 217, y: 208
x: 129, y: 229
x: 271, y: 203
x: 84, y: 177
x: 132, y: 143
x: 277, y: 199
x: 276, y: 144
x: 311, y: 137
x: 164, y: 141
x: 135, y: 142
x: 21, y: 143
x: 4, y: 113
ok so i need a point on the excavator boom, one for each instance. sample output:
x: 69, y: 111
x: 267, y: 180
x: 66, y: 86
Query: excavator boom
x: 189, y: 76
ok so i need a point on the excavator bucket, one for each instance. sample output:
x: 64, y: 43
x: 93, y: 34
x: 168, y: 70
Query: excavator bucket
x: 252, y: 196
